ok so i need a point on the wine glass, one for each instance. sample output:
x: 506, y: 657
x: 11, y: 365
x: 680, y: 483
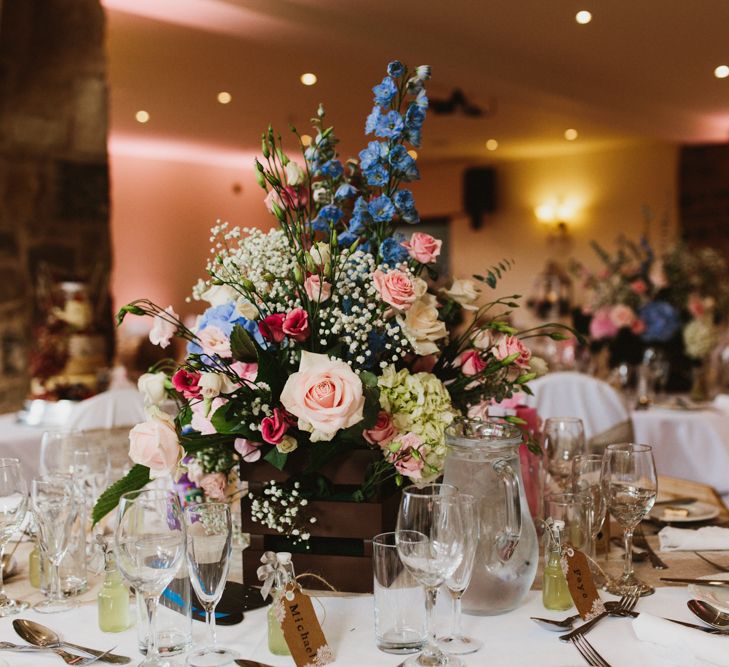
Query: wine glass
x: 150, y: 545
x: 456, y: 642
x: 630, y: 486
x: 55, y: 506
x: 430, y: 536
x: 57, y: 448
x: 13, y: 508
x: 209, y: 533
x: 91, y: 469
x: 586, y: 470
x: 564, y: 438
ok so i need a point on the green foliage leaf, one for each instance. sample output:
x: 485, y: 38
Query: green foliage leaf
x: 130, y: 308
x: 134, y: 480
x: 276, y: 458
x: 242, y: 346
x: 271, y: 372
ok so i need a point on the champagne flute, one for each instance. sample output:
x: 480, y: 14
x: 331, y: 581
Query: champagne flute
x: 54, y: 502
x: 456, y: 642
x: 586, y: 470
x: 91, y: 469
x: 429, y: 538
x: 209, y: 533
x: 630, y: 486
x: 13, y: 508
x: 150, y: 545
x: 564, y: 438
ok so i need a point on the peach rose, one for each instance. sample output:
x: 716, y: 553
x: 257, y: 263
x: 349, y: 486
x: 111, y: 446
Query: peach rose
x: 622, y: 316
x: 154, y: 444
x: 317, y: 289
x: 162, y: 330
x: 509, y: 345
x: 214, y: 341
x: 325, y: 394
x: 395, y: 288
x: 422, y: 327
x: 423, y: 247
x: 214, y: 485
x: 382, y: 432
x: 465, y: 292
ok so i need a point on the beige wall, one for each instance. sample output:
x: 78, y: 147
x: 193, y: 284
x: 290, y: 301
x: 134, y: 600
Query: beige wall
x: 162, y: 210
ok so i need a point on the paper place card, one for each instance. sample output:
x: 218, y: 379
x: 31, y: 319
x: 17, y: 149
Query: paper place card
x: 301, y: 629
x: 579, y: 581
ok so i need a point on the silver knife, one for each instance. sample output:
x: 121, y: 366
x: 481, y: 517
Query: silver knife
x: 640, y: 541
x: 676, y: 501
x: 699, y: 582
x: 250, y: 663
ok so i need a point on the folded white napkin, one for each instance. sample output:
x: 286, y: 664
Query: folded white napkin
x: 721, y: 402
x: 707, y: 538
x: 682, y: 641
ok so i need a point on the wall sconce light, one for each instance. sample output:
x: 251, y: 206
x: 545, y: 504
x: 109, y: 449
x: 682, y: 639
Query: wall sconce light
x: 557, y: 214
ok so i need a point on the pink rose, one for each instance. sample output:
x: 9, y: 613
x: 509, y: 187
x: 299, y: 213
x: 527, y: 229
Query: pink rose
x: 271, y: 327
x: 639, y: 286
x: 423, y: 247
x: 601, y: 325
x: 509, y: 345
x: 622, y: 315
x: 154, y: 444
x: 274, y: 428
x: 316, y: 289
x: 250, y: 451
x: 382, y: 432
x: 162, y: 330
x: 213, y: 341
x: 296, y: 325
x: 186, y: 382
x: 202, y: 414
x: 404, y: 461
x: 696, y: 306
x: 244, y: 371
x: 325, y: 394
x: 394, y: 288
x: 214, y: 485
x: 471, y: 362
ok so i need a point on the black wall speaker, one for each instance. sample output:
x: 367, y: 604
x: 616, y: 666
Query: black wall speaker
x: 479, y: 193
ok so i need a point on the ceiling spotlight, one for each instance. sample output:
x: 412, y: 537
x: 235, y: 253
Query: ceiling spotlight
x: 570, y: 134
x: 583, y: 17
x: 413, y: 154
x: 308, y: 79
x: 224, y: 97
x: 492, y: 145
x: 306, y: 140
x: 141, y: 116
x: 721, y: 72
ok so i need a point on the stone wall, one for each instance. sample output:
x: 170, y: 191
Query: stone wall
x: 54, y: 192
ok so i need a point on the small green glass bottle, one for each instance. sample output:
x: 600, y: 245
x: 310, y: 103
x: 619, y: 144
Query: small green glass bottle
x: 284, y: 574
x: 555, y: 592
x: 113, y: 598
x: 34, y: 570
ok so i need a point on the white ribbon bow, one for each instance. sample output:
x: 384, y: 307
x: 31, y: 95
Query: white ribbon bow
x: 266, y: 573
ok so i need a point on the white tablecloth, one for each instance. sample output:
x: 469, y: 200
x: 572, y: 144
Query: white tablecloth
x: 510, y: 639
x: 689, y: 444
x: 22, y: 442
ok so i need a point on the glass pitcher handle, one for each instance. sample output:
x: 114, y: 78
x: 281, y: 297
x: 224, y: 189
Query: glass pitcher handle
x: 507, y: 541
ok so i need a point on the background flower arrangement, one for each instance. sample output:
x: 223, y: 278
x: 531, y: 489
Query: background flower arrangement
x: 325, y: 334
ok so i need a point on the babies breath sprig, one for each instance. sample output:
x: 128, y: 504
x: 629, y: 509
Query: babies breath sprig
x: 283, y: 510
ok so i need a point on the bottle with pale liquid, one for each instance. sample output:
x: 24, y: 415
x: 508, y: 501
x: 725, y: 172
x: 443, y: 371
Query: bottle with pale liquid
x: 113, y: 598
x: 284, y: 575
x: 555, y: 592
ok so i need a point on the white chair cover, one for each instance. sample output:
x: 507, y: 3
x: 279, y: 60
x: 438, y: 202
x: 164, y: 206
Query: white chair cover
x: 570, y: 394
x: 116, y: 407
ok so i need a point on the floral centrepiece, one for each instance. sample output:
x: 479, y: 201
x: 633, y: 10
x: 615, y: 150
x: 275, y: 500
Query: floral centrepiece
x: 326, y: 334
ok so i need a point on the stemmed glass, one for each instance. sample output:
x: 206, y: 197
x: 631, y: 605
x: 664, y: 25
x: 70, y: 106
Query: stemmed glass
x: 456, y: 642
x: 429, y: 538
x: 564, y: 438
x: 13, y: 507
x: 150, y: 545
x: 209, y: 542
x: 57, y: 448
x: 91, y: 469
x: 586, y: 471
x: 630, y: 486
x: 54, y: 502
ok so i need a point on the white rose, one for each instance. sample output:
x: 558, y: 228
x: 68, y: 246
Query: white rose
x: 211, y: 384
x: 482, y: 340
x: 320, y: 253
x: 152, y: 388
x: 465, y: 292
x: 420, y: 287
x: 539, y: 366
x: 246, y: 309
x: 295, y: 175
x: 217, y: 295
x: 288, y: 444
x: 422, y: 326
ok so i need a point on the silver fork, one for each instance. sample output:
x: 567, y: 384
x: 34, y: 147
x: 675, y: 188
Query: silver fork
x: 625, y: 607
x: 712, y: 563
x: 588, y: 652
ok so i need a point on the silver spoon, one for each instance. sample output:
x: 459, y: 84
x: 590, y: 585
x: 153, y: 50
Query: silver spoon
x: 709, y: 614
x: 567, y: 623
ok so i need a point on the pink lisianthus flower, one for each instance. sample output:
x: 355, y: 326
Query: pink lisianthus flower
x: 296, y: 325
x: 602, y: 325
x: 395, y: 288
x: 272, y: 197
x: 382, y: 432
x: 214, y: 485
x: 508, y: 345
x: 403, y: 459
x: 213, y: 341
x: 423, y: 247
x: 622, y: 316
x: 187, y: 383
x: 295, y: 197
x: 249, y: 451
x: 202, y: 414
x: 274, y: 428
x: 162, y: 330
x: 471, y: 362
x: 271, y: 327
x: 245, y: 371
x: 316, y: 289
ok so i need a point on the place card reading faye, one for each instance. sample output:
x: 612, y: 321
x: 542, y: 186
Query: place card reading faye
x: 301, y: 628
x: 579, y: 581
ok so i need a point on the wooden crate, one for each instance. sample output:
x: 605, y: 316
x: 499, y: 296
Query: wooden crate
x: 341, y: 539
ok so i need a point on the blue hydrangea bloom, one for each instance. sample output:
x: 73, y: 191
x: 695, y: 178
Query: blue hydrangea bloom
x: 376, y: 176
x: 332, y: 169
x: 390, y: 125
x: 345, y: 191
x: 395, y: 68
x: 661, y: 321
x: 403, y: 200
x: 225, y: 317
x: 372, y: 120
x: 392, y: 251
x: 381, y: 209
x: 385, y: 91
